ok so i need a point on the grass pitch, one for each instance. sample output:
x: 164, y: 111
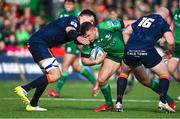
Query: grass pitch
x: 77, y: 102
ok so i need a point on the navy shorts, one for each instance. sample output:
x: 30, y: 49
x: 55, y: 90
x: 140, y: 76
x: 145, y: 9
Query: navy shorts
x: 149, y: 57
x: 39, y: 51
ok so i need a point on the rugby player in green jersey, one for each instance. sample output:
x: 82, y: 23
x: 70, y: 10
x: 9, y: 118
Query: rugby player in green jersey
x: 71, y: 57
x: 112, y: 44
x: 108, y: 36
x: 174, y: 63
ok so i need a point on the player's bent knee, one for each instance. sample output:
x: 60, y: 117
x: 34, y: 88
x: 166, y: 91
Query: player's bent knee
x: 123, y: 75
x: 51, y: 68
x: 53, y: 75
x: 144, y: 82
x: 76, y: 68
x: 101, y: 81
x: 65, y: 67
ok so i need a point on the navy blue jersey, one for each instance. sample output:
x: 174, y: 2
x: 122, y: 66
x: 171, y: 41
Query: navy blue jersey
x: 54, y: 33
x: 146, y: 31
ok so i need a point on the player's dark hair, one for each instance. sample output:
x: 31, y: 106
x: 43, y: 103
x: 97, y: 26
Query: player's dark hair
x: 89, y: 13
x: 70, y: 1
x: 86, y: 26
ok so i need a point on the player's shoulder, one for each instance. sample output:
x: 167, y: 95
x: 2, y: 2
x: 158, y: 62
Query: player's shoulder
x: 177, y: 11
x: 176, y: 14
x: 70, y: 18
x: 77, y: 12
x: 103, y: 31
x: 62, y: 11
x: 156, y: 17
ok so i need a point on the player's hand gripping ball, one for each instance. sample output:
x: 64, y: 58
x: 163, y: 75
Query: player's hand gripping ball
x: 96, y: 52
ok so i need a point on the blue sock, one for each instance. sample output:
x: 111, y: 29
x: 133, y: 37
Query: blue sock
x: 35, y: 83
x: 121, y: 86
x: 163, y: 88
x: 39, y: 91
x: 40, y: 84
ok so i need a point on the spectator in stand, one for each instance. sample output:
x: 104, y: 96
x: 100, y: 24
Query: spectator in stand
x: 22, y: 35
x: 87, y: 4
x: 39, y: 22
x: 113, y: 14
x: 2, y: 45
x: 28, y: 17
x: 127, y: 9
x: 7, y: 32
x: 110, y: 4
x: 100, y: 10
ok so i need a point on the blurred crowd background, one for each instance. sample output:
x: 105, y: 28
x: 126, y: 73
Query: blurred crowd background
x: 20, y: 18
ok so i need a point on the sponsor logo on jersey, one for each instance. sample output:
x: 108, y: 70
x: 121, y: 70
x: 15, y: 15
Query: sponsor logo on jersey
x: 73, y: 23
x: 114, y: 22
x: 108, y: 37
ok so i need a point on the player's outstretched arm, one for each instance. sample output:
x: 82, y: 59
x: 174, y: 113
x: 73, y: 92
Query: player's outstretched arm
x: 170, y: 40
x: 74, y: 35
x: 126, y: 33
x: 128, y: 22
x: 88, y: 62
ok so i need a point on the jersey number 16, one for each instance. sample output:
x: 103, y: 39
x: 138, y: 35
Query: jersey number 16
x: 146, y: 22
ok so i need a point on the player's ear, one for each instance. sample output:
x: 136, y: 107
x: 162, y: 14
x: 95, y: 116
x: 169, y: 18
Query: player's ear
x: 95, y: 29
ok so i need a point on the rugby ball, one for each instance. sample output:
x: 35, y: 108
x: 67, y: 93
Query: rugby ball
x: 95, y: 52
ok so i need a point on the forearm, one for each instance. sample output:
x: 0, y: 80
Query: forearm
x: 125, y: 37
x: 128, y: 22
x: 126, y: 34
x: 87, y: 61
x: 170, y: 40
x: 171, y: 48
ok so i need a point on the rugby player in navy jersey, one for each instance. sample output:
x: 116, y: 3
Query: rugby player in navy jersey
x: 57, y: 32
x: 140, y: 38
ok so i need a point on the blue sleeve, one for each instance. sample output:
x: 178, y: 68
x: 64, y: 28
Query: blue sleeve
x: 165, y: 27
x: 135, y: 24
x: 73, y: 23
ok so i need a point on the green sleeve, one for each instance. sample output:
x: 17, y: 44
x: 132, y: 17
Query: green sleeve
x: 86, y: 51
x: 60, y: 14
x: 77, y: 12
x: 63, y: 13
x: 22, y: 37
x: 112, y: 25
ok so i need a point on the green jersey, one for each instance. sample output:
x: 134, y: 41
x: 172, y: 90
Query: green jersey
x: 177, y: 25
x: 112, y: 25
x: 111, y: 42
x: 64, y: 13
x: 176, y: 17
